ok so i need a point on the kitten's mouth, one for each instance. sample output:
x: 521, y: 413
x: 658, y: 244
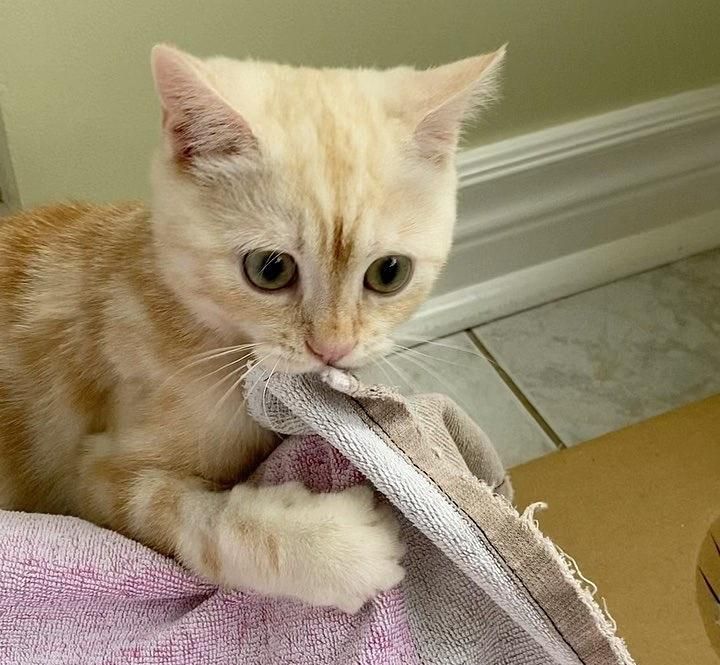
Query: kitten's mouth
x: 291, y: 363
x: 317, y: 366
x: 304, y: 364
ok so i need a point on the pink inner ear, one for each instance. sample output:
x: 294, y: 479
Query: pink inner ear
x: 198, y: 121
x: 452, y: 93
x: 437, y: 134
x: 208, y: 130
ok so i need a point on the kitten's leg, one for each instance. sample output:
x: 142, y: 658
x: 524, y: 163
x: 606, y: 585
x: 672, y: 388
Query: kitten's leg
x: 336, y: 549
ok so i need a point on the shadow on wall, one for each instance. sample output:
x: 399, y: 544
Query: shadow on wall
x: 9, y: 196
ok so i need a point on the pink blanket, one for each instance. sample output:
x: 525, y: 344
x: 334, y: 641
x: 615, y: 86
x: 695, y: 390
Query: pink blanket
x: 71, y: 592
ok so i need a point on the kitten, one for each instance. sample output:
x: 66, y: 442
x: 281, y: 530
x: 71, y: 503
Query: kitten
x: 299, y: 215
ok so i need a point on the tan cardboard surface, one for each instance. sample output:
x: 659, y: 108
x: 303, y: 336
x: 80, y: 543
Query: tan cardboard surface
x: 635, y: 509
x: 708, y: 584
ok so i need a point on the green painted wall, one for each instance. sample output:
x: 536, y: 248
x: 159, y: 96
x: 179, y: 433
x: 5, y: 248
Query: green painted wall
x: 81, y: 117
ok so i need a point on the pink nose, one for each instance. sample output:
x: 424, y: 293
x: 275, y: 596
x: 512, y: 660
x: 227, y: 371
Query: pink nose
x: 330, y: 352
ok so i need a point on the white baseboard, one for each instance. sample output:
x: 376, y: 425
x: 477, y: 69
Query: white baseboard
x: 538, y: 284
x: 568, y: 208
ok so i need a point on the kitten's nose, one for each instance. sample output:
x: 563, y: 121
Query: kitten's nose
x: 329, y: 352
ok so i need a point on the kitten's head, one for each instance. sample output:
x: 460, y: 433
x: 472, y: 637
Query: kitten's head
x: 308, y: 210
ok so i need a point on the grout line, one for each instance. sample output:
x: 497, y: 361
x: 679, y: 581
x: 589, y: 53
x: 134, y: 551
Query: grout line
x: 515, y: 389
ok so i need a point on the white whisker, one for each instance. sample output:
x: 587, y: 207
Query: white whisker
x: 240, y: 406
x: 472, y: 352
x: 404, y: 350
x: 218, y: 383
x: 452, y: 392
x: 401, y: 374
x: 247, y: 392
x: 218, y: 353
x: 226, y: 348
x: 232, y: 388
x: 220, y: 369
x: 206, y: 356
x: 384, y: 371
x: 267, y: 383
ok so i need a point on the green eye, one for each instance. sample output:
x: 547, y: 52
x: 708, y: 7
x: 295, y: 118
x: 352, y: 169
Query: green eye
x: 388, y: 274
x: 268, y: 270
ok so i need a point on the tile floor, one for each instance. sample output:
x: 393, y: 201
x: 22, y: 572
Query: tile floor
x: 579, y: 367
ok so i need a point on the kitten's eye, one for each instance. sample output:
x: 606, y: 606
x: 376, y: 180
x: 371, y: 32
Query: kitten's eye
x: 269, y: 270
x: 388, y: 274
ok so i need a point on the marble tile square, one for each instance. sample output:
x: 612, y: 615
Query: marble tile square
x: 604, y: 359
x: 469, y: 379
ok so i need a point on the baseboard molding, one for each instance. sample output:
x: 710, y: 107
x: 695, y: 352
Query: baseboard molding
x: 571, y: 207
x: 511, y: 293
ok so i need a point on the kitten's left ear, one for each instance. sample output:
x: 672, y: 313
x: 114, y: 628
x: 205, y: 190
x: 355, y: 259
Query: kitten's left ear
x: 449, y: 95
x: 198, y: 122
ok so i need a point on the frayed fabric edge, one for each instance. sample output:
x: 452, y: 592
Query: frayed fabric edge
x: 585, y: 588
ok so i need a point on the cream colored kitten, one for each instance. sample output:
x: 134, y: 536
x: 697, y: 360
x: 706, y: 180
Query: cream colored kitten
x: 298, y: 216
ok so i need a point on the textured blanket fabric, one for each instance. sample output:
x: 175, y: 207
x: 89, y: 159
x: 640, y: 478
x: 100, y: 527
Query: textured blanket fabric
x: 483, y: 585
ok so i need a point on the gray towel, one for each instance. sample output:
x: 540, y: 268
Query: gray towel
x: 484, y: 586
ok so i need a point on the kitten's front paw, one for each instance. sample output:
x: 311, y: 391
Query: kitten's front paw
x: 338, y: 549
x: 355, y: 551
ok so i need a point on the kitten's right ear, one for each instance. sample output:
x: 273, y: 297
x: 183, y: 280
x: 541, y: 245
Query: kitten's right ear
x: 445, y: 96
x: 198, y: 122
